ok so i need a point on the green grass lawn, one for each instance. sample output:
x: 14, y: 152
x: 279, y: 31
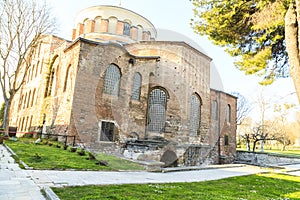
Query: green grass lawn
x: 43, y: 156
x: 292, y: 153
x: 253, y: 187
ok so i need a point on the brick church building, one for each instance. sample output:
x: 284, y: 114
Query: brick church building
x: 119, y: 90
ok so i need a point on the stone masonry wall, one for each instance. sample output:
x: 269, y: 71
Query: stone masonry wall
x: 265, y: 159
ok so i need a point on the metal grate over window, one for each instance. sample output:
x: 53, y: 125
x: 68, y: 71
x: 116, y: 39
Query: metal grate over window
x: 136, y: 86
x: 157, y: 110
x: 107, y: 131
x: 126, y: 30
x: 112, y: 80
x: 195, y: 115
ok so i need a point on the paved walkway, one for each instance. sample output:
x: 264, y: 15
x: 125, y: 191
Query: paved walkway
x: 15, y: 183
x: 18, y: 184
x: 71, y: 178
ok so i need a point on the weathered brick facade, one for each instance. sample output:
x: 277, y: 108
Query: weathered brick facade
x: 124, y: 92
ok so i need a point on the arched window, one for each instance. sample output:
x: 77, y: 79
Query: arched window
x: 157, y: 110
x: 24, y: 101
x: 140, y: 32
x: 20, y: 102
x: 228, y: 113
x: 66, y: 78
x: 136, y: 86
x: 28, y: 74
x: 195, y: 115
x: 112, y: 80
x: 97, y: 24
x: 28, y: 100
x: 22, y: 124
x: 214, y: 110
x: 85, y: 26
x: 37, y: 68
x: 32, y: 72
x: 51, y: 77
x: 126, y: 30
x: 32, y: 98
x: 112, y: 24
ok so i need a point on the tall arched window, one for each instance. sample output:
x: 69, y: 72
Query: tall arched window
x: 195, y: 115
x: 97, y: 24
x: 228, y: 113
x: 32, y: 72
x: 66, y: 78
x: 136, y: 86
x: 112, y: 80
x: 29, y: 99
x: 85, y: 26
x: 112, y: 24
x: 28, y: 74
x: 51, y: 77
x: 157, y: 110
x: 214, y: 110
x: 33, y: 98
x: 126, y: 30
x: 37, y: 68
x: 24, y: 101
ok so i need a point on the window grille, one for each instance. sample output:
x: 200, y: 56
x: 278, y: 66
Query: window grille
x: 157, y: 110
x: 126, y: 30
x: 195, y: 115
x: 107, y: 131
x: 136, y: 86
x: 112, y: 80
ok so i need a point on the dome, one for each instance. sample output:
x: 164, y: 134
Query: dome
x: 111, y: 23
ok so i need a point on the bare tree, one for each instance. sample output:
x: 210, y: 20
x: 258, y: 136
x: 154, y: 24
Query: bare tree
x: 242, y: 108
x: 22, y: 23
x: 244, y: 131
x: 281, y: 125
x: 262, y: 133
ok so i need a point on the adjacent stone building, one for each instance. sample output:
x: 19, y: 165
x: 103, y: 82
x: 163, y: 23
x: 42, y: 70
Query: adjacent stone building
x: 118, y: 90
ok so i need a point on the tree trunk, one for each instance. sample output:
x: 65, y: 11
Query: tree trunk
x: 248, y: 144
x: 262, y: 142
x: 6, y: 115
x: 254, y: 145
x: 292, y: 39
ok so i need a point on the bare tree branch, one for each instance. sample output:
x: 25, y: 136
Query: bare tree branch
x: 22, y: 23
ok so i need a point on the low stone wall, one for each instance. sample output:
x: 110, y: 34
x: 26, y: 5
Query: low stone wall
x: 258, y: 158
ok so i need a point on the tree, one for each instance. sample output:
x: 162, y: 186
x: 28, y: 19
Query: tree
x: 244, y: 131
x: 22, y: 23
x: 242, y: 108
x: 263, y: 35
x: 263, y: 130
x: 2, y: 112
x: 262, y: 133
x: 281, y: 125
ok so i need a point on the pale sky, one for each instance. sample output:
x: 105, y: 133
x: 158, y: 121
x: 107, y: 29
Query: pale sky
x: 175, y: 15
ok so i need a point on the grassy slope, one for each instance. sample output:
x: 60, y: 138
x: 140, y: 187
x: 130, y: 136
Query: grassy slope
x: 253, y: 187
x: 50, y: 157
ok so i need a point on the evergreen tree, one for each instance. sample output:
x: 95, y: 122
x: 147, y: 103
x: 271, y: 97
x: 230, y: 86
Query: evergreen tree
x: 262, y: 34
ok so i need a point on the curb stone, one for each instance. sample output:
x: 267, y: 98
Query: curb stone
x: 49, y: 194
x: 14, y: 154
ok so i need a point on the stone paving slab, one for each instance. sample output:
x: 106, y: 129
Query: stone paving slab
x: 15, y: 183
x: 72, y: 178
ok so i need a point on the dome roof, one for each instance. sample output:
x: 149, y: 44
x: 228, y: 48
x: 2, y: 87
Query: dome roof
x: 112, y: 23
